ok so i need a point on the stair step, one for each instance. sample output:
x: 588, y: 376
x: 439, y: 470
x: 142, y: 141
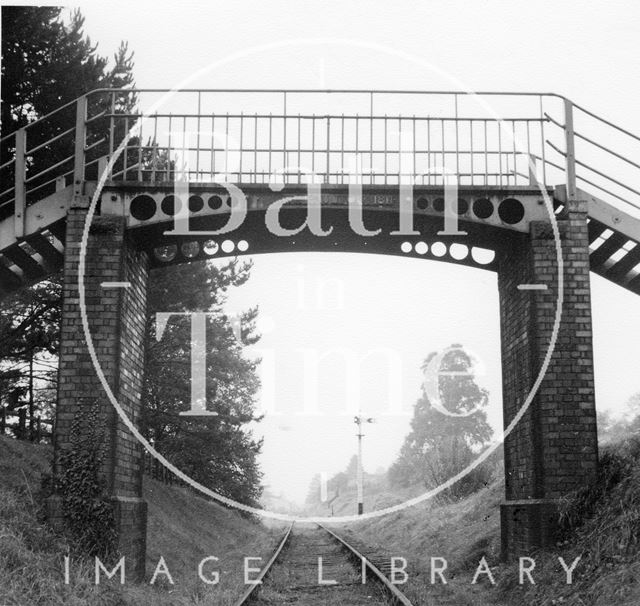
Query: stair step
x: 51, y: 256
x: 595, y: 229
x: 25, y: 262
x: 634, y: 285
x: 622, y: 267
x: 601, y: 254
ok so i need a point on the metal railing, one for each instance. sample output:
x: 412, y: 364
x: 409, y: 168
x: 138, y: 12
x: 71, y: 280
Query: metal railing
x: 302, y: 136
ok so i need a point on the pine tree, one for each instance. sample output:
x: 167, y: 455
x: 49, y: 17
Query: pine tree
x: 45, y: 64
x: 29, y: 341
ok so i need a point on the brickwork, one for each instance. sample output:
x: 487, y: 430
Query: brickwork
x: 116, y: 318
x: 553, y: 449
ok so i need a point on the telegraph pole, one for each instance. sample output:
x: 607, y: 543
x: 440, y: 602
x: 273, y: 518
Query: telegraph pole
x: 359, y: 420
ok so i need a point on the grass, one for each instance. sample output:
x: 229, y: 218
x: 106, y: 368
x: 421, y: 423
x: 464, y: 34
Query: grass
x: 182, y: 527
x: 601, y: 525
x: 461, y: 532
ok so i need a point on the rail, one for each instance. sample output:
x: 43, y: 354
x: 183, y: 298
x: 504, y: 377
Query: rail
x: 486, y: 139
x: 395, y: 595
x: 249, y: 592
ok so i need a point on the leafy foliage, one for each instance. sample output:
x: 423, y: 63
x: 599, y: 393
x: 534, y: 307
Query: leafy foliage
x: 219, y: 452
x: 47, y: 63
x: 89, y: 515
x: 29, y: 343
x: 613, y: 428
x: 337, y: 484
x: 438, y: 445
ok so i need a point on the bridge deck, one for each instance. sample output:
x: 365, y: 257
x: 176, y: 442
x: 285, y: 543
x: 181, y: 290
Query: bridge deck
x: 379, y: 139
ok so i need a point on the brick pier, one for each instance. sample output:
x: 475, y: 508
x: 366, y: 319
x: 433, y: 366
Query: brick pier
x: 553, y: 449
x: 116, y: 318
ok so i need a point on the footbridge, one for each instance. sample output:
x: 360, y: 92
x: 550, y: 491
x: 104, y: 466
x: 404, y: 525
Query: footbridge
x: 497, y: 181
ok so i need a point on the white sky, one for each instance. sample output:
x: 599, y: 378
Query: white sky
x: 587, y: 51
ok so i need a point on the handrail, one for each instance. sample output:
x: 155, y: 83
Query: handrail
x: 333, y: 91
x: 564, y: 154
x: 602, y: 147
x: 604, y: 189
x: 50, y: 141
x: 329, y: 116
x: 595, y: 170
x: 341, y: 91
x: 492, y: 162
x: 607, y: 122
x: 51, y: 113
x: 49, y: 169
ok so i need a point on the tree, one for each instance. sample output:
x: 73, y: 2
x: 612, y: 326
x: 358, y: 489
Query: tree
x: 337, y: 485
x: 46, y: 64
x: 440, y: 445
x: 219, y: 452
x: 625, y: 424
x: 313, y: 495
x: 29, y: 341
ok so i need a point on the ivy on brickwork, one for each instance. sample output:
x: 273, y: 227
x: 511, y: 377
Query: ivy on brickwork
x: 88, y: 514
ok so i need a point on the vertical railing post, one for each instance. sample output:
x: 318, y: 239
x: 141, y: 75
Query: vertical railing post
x: 80, y: 140
x: 531, y: 165
x: 570, y: 148
x: 20, y: 190
x: 328, y: 153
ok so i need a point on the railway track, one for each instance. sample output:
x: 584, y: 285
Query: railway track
x: 312, y: 565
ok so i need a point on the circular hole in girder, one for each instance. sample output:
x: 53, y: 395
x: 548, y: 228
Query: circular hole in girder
x: 210, y: 247
x: 171, y: 205
x: 422, y: 203
x: 165, y: 253
x: 458, y: 251
x: 215, y: 202
x: 482, y: 208
x: 196, y: 203
x: 511, y: 211
x: 243, y: 246
x: 406, y: 247
x: 228, y: 246
x: 422, y: 248
x: 190, y: 249
x: 482, y: 256
x: 143, y: 207
x: 438, y: 249
x: 463, y: 206
x: 438, y: 205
